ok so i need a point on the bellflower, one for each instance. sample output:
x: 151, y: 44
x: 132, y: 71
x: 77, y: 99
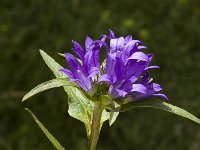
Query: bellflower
x: 126, y: 69
x: 125, y: 73
x: 84, y: 70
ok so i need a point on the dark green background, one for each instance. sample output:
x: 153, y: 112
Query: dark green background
x: 170, y: 29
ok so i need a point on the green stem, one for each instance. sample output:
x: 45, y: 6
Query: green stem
x: 95, y: 127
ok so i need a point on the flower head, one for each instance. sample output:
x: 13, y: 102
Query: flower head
x: 126, y: 69
x: 83, y: 70
x: 125, y: 73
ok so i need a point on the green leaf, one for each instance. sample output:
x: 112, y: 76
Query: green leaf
x: 48, y: 85
x: 46, y: 132
x: 53, y: 65
x: 163, y: 106
x: 113, y: 117
x: 114, y: 113
x: 81, y: 108
x: 105, y: 116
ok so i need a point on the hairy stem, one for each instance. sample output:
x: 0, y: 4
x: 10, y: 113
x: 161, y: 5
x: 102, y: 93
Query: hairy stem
x: 95, y: 127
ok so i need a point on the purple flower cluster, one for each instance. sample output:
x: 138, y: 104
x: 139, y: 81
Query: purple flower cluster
x: 125, y: 72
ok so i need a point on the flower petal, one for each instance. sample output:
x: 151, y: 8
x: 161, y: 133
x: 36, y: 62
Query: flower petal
x: 129, y: 48
x: 106, y: 78
x: 80, y: 79
x: 116, y: 44
x: 161, y: 95
x: 73, y: 63
x: 145, y: 78
x: 119, y: 69
x: 112, y: 34
x: 134, y: 70
x: 89, y: 43
x: 67, y: 72
x: 116, y: 93
x: 156, y: 87
x: 150, y: 56
x: 92, y: 58
x: 127, y: 39
x: 93, y: 71
x: 139, y: 56
x: 103, y: 42
x: 139, y: 88
x: 110, y: 63
x: 78, y: 49
x: 83, y: 81
x: 151, y: 67
x: 153, y: 88
x: 142, y: 47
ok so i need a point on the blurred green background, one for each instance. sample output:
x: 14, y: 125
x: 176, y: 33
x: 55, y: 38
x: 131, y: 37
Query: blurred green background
x: 170, y: 29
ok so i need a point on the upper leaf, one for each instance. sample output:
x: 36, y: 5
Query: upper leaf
x: 105, y: 116
x: 53, y: 65
x: 163, y: 106
x: 80, y: 107
x: 48, y: 85
x: 114, y: 113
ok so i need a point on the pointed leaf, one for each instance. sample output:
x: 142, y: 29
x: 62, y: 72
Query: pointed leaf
x: 113, y: 117
x: 105, y: 116
x: 48, y: 85
x: 53, y: 65
x: 163, y: 106
x: 80, y: 107
x: 45, y: 131
x: 114, y: 113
